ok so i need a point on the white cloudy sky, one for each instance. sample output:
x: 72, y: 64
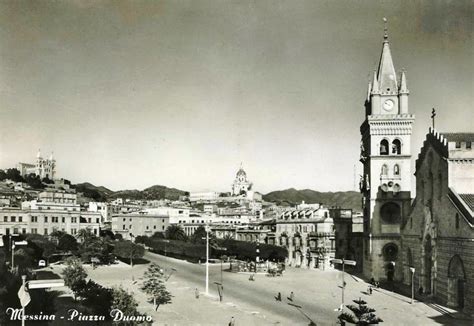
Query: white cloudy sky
x: 134, y: 93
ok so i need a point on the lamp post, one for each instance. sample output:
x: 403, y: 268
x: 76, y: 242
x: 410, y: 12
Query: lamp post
x: 412, y: 270
x: 207, y: 259
x: 343, y: 262
x: 14, y: 244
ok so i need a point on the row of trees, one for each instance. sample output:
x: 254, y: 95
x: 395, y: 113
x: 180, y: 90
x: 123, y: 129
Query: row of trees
x: 174, y: 242
x: 31, y: 179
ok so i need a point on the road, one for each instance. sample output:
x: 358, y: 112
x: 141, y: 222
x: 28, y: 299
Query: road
x: 317, y: 292
x: 259, y: 295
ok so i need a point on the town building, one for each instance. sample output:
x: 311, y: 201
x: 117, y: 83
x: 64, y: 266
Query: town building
x: 54, y: 210
x: 308, y: 234
x: 44, y: 168
x: 142, y: 223
x: 349, y: 232
x: 386, y: 158
x: 209, y: 196
x: 438, y: 235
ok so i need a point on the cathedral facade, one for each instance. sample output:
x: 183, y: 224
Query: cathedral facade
x: 438, y: 237
x: 386, y: 158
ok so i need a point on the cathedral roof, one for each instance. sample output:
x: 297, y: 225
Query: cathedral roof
x: 241, y: 172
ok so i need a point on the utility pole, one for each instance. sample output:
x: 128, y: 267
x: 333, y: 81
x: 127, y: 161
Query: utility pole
x: 412, y: 270
x: 343, y: 262
x: 207, y: 259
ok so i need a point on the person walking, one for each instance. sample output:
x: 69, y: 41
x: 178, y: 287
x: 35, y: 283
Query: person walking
x: 278, y: 297
x: 196, y: 293
x: 292, y: 296
x: 232, y: 322
x: 370, y: 290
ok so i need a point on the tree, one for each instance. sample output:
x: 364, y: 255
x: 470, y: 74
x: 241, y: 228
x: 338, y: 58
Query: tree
x: 154, y: 286
x: 175, y: 232
x: 198, y: 235
x: 14, y: 175
x: 34, y: 181
x: 67, y: 242
x: 3, y: 175
x: 128, y: 249
x: 125, y: 302
x: 363, y: 315
x: 92, y: 246
x: 74, y: 275
x: 97, y: 297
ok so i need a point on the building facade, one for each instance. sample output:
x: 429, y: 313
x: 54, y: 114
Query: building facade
x: 308, y: 235
x: 386, y: 158
x: 139, y: 224
x: 438, y: 237
x: 44, y: 168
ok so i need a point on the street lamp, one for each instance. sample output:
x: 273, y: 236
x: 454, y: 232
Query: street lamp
x: 343, y: 262
x: 207, y: 259
x: 412, y: 270
x: 14, y: 244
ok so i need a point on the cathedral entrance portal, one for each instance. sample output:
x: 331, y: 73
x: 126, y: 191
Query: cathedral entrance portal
x: 456, y: 283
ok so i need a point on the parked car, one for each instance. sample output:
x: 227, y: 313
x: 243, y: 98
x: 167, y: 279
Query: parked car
x: 42, y: 263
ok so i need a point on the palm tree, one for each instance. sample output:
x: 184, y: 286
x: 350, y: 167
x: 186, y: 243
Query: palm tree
x: 362, y: 314
x: 175, y: 232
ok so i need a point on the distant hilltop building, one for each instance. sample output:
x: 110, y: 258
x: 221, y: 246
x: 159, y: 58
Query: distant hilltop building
x: 241, y: 185
x: 44, y: 168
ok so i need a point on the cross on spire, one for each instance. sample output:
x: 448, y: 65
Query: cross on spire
x: 433, y: 115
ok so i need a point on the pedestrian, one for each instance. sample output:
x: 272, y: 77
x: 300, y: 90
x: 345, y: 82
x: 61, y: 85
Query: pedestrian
x: 196, y: 293
x: 291, y: 297
x: 232, y: 322
x: 370, y: 290
x: 278, y: 297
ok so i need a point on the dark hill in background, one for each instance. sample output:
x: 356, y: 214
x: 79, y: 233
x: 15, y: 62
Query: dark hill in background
x: 99, y: 193
x: 344, y: 199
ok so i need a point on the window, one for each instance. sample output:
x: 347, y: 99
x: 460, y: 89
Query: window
x: 15, y: 230
x: 163, y: 227
x: 14, y: 219
x: 89, y: 220
x: 396, y: 170
x: 45, y: 232
x: 124, y: 219
x: 73, y: 231
x: 46, y: 219
x: 34, y: 219
x: 390, y: 213
x: 154, y: 227
x: 73, y: 219
x: 97, y: 220
x: 20, y: 218
x: 34, y: 230
x: 468, y: 145
x: 384, y: 147
x: 63, y: 219
x: 396, y: 147
x: 457, y: 221
x: 123, y: 227
x: 5, y: 219
x: 147, y: 227
x: 384, y: 169
x: 54, y: 219
x: 458, y: 144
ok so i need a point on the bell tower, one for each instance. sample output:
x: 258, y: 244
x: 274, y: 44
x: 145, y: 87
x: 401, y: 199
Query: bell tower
x: 386, y: 158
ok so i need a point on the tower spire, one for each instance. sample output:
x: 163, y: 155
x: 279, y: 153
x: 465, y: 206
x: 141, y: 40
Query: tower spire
x: 375, y: 84
x: 386, y: 71
x: 403, y: 83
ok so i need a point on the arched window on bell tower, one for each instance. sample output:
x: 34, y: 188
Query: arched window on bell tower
x: 396, y: 147
x: 384, y: 171
x: 384, y: 147
x: 396, y: 170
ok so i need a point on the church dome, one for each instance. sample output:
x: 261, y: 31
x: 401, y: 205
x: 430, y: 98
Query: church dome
x: 241, y: 172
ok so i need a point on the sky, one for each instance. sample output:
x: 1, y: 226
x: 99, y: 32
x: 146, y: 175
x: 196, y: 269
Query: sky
x: 130, y: 94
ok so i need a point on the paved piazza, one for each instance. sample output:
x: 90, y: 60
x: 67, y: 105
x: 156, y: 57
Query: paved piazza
x: 253, y: 303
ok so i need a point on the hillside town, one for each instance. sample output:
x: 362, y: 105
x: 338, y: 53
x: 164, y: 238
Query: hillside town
x: 399, y: 251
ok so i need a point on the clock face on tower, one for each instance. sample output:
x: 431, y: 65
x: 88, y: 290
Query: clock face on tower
x: 388, y: 105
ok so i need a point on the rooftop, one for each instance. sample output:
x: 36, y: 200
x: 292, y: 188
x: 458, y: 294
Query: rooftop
x: 458, y: 136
